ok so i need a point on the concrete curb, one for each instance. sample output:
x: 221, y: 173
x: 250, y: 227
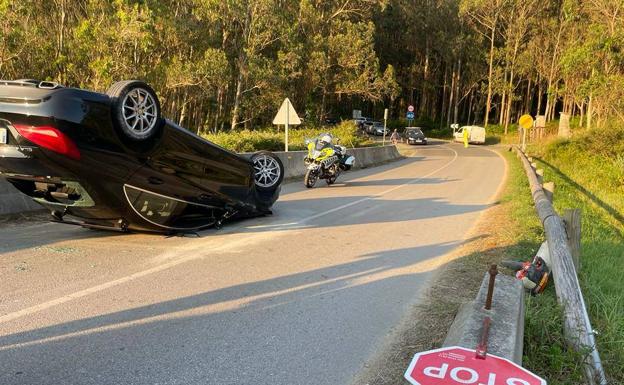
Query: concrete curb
x: 507, y: 314
x: 12, y: 201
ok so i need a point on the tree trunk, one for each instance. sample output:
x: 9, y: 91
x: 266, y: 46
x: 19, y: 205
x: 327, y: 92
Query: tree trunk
x: 451, y: 97
x: 488, y: 104
x: 61, y: 39
x: 444, y: 95
x: 510, y: 101
x: 582, y: 110
x: 527, y: 101
x: 539, y: 97
x: 184, y: 108
x: 590, y: 110
x: 237, y: 99
x: 470, y: 106
x: 423, y: 96
x: 455, y: 115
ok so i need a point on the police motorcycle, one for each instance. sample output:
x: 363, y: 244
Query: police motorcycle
x: 325, y: 161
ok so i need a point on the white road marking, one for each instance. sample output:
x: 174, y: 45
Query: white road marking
x: 107, y: 285
x: 312, y: 217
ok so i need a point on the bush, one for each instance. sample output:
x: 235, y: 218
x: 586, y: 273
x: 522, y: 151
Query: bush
x: 272, y: 139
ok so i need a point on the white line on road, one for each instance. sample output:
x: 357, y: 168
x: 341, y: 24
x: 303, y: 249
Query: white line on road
x: 107, y: 285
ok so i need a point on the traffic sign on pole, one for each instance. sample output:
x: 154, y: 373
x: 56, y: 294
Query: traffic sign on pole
x: 526, y: 121
x: 383, y: 143
x: 410, y: 108
x: 410, y: 115
x: 456, y: 365
x: 286, y: 116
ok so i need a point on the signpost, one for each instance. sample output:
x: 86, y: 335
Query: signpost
x: 526, y: 122
x: 383, y: 143
x: 286, y: 116
x: 461, y: 366
x: 410, y: 115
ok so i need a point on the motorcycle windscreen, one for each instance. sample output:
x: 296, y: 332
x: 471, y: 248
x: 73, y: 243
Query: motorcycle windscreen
x: 167, y: 212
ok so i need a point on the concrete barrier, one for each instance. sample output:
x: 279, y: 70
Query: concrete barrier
x: 507, y: 314
x: 12, y: 201
x: 364, y: 157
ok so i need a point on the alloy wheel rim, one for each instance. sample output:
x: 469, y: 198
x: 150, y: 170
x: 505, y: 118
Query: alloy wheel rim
x: 267, y: 171
x: 139, y: 112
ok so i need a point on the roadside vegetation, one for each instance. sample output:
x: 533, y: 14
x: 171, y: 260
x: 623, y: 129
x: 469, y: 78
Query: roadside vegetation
x: 227, y: 65
x: 272, y: 139
x: 545, y: 349
x: 588, y: 172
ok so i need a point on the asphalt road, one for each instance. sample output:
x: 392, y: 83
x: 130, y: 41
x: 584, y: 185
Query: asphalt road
x: 306, y: 296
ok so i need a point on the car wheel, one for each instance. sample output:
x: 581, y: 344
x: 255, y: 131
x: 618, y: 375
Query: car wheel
x: 135, y: 110
x: 310, y: 178
x: 268, y: 170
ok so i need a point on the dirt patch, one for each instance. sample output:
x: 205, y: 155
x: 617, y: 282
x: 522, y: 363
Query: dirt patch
x: 490, y: 241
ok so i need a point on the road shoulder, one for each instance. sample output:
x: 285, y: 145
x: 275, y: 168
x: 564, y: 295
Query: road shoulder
x: 426, y: 325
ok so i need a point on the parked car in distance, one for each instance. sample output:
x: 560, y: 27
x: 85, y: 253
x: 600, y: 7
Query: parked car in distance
x: 361, y: 122
x: 377, y: 129
x: 414, y: 135
x: 476, y: 134
x: 330, y: 121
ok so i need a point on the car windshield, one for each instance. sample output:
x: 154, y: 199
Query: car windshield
x: 413, y: 131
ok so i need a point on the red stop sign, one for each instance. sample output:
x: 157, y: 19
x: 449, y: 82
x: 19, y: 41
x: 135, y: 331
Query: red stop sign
x: 459, y: 366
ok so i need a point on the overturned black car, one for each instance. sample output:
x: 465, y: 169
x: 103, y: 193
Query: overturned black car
x: 110, y: 161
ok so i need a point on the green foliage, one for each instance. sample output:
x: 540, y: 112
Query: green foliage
x: 588, y: 175
x: 545, y: 350
x: 272, y: 139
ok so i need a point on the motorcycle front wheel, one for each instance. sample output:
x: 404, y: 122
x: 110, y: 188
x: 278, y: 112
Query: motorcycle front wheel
x: 310, y: 178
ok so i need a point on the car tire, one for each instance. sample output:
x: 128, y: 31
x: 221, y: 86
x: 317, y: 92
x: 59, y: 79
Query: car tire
x: 268, y: 170
x: 135, y: 110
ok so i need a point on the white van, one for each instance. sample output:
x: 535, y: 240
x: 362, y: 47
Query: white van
x: 476, y: 134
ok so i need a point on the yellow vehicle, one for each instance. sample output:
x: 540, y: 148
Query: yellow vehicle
x: 325, y: 161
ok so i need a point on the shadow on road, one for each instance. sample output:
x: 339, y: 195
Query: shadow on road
x: 391, y: 182
x: 203, y: 338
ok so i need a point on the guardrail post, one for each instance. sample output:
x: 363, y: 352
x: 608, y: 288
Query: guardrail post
x: 572, y: 220
x: 540, y: 175
x: 549, y: 190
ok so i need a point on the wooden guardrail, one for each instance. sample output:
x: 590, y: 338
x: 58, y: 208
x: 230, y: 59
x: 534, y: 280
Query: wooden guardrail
x: 577, y: 326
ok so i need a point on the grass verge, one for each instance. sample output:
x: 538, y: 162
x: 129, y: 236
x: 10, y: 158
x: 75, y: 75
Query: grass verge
x: 591, y: 180
x: 272, y: 139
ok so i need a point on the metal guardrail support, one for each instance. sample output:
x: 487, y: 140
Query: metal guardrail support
x: 577, y: 326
